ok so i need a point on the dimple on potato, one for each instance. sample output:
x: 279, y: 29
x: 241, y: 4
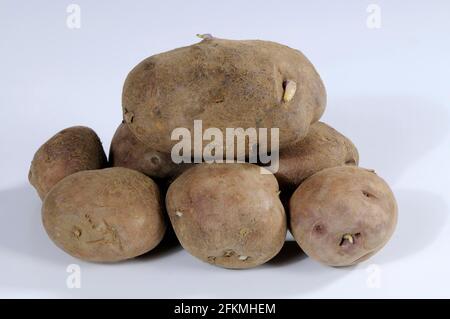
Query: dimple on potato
x: 127, y: 151
x: 225, y: 84
x: 104, y: 215
x: 228, y: 215
x: 72, y: 150
x: 343, y: 215
x: 323, y: 147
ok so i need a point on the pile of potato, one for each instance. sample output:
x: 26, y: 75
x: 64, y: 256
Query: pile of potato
x: 227, y: 214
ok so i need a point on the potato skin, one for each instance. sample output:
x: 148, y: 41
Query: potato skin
x: 342, y: 201
x: 127, y: 151
x: 323, y: 147
x: 224, y: 83
x: 73, y: 149
x: 227, y: 214
x: 104, y: 215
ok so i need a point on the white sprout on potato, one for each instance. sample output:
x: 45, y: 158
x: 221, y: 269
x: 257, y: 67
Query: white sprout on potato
x: 289, y: 90
x: 205, y: 36
x: 348, y: 237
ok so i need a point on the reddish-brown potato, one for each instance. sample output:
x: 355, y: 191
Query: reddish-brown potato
x: 127, y: 151
x: 72, y: 150
x: 227, y: 214
x: 342, y: 215
x: 323, y: 147
x: 104, y: 215
x: 225, y: 84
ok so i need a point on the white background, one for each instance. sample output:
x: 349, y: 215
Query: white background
x: 388, y: 90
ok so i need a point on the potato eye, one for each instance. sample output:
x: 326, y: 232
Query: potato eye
x: 368, y: 195
x: 319, y: 229
x: 346, y: 238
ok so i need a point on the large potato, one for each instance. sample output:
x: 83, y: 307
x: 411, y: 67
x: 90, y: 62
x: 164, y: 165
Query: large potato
x: 127, y: 151
x: 226, y: 84
x: 104, y: 215
x: 72, y: 150
x: 227, y: 214
x: 323, y: 147
x: 343, y: 215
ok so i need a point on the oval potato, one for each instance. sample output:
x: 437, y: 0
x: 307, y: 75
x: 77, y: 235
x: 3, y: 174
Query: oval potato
x: 227, y: 214
x: 127, y: 151
x: 225, y: 84
x: 323, y: 147
x: 104, y: 215
x: 343, y: 215
x: 72, y: 150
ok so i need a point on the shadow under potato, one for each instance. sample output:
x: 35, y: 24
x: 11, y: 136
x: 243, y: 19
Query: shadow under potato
x: 168, y: 245
x: 20, y: 208
x: 422, y: 216
x: 289, y: 254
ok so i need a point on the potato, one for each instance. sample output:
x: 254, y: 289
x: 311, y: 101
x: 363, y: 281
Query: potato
x: 104, y: 215
x: 226, y: 84
x: 72, y: 150
x: 127, y: 151
x: 322, y: 148
x: 227, y: 214
x: 342, y: 215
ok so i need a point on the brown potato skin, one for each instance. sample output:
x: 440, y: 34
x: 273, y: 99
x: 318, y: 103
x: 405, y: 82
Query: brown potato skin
x: 224, y: 83
x: 227, y: 211
x: 127, y: 151
x: 104, y: 215
x: 73, y: 149
x: 338, y: 201
x: 323, y: 147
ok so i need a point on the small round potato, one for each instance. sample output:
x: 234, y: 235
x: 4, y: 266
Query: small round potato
x: 342, y: 215
x: 72, y: 150
x: 227, y: 214
x: 127, y: 151
x: 225, y: 84
x: 104, y: 215
x: 323, y: 147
